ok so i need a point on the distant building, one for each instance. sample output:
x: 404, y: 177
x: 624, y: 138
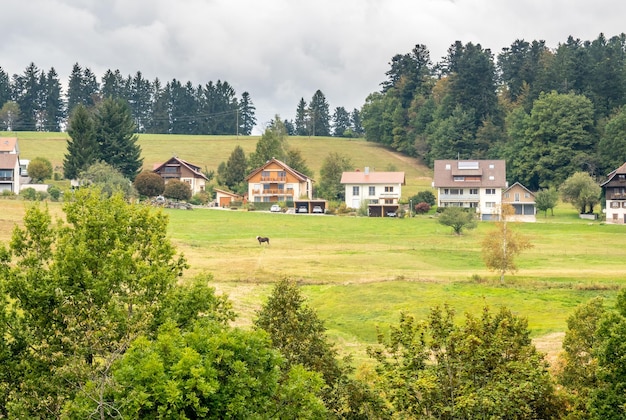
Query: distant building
x: 523, y: 202
x: 476, y: 184
x: 224, y: 198
x: 183, y: 171
x: 380, y: 190
x: 615, y: 195
x: 275, y: 181
x: 9, y: 165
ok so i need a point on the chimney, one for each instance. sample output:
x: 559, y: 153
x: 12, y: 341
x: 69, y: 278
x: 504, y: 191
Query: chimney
x: 367, y: 170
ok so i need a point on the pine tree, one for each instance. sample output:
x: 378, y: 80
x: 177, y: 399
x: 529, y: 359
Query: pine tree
x: 82, y: 148
x: 247, y: 120
x: 301, y: 122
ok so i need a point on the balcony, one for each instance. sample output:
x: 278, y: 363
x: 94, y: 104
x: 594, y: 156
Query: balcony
x: 273, y: 178
x: 459, y: 197
x: 273, y: 191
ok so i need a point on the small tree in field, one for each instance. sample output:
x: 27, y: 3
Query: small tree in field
x: 502, y: 245
x: 582, y: 191
x: 39, y: 169
x: 149, y: 184
x: 458, y: 219
x: 546, y: 200
x: 177, y: 190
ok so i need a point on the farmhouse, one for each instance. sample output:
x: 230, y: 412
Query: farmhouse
x: 523, y: 202
x: 9, y: 165
x: 275, y: 181
x: 472, y: 184
x: 380, y: 190
x: 183, y: 171
x: 615, y: 194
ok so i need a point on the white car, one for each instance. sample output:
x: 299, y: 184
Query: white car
x: 303, y: 209
x: 318, y: 209
x: 275, y: 208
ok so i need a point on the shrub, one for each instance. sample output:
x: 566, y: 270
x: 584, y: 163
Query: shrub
x: 39, y: 169
x: 177, y: 190
x: 55, y: 192
x: 29, y: 194
x: 424, y: 197
x: 149, y: 184
x: 421, y: 208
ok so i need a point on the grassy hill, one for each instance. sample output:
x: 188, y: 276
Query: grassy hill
x: 209, y: 151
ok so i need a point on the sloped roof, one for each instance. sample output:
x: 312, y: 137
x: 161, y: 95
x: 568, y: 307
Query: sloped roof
x: 446, y: 170
x: 621, y: 171
x: 358, y: 177
x: 193, y: 168
x: 228, y: 193
x: 8, y: 161
x: 302, y: 177
x: 532, y: 194
x: 8, y: 144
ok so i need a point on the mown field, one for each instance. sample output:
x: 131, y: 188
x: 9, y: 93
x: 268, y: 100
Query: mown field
x: 361, y: 273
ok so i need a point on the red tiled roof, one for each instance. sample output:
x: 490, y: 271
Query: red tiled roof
x: 8, y: 144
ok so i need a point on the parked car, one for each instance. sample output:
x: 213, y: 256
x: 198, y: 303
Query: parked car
x: 318, y: 209
x: 303, y: 209
x: 391, y: 214
x: 275, y: 208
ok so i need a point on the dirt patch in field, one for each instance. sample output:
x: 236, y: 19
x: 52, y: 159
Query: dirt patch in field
x: 551, y: 345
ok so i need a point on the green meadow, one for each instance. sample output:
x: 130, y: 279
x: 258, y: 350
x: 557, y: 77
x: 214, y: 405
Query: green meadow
x: 360, y: 273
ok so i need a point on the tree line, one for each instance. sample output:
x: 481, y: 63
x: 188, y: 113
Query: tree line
x: 548, y: 112
x: 34, y: 101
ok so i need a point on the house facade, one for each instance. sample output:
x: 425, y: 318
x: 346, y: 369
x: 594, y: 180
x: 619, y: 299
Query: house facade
x: 615, y: 195
x: 224, y: 198
x: 9, y: 165
x: 275, y: 181
x: 523, y: 202
x: 476, y: 184
x: 183, y: 171
x: 380, y: 190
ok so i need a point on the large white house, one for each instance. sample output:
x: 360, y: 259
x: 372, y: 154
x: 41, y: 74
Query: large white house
x: 380, y: 190
x: 471, y: 183
x: 9, y: 165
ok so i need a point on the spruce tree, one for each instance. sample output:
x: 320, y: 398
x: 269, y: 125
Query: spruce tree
x: 82, y: 148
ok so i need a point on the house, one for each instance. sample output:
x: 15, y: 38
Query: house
x: 472, y: 184
x: 523, y: 202
x: 380, y: 190
x: 275, y: 181
x: 615, y: 195
x: 224, y: 198
x: 183, y: 171
x: 9, y: 165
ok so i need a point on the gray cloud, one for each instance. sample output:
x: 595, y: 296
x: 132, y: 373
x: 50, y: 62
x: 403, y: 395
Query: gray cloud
x: 279, y: 50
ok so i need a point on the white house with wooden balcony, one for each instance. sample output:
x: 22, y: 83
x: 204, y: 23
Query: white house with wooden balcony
x: 476, y: 184
x: 9, y: 165
x: 275, y: 181
x: 183, y: 171
x: 615, y: 195
x: 380, y: 190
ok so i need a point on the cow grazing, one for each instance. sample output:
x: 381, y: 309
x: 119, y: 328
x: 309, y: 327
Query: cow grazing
x: 262, y: 239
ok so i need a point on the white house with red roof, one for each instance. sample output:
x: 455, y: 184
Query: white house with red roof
x: 380, y: 190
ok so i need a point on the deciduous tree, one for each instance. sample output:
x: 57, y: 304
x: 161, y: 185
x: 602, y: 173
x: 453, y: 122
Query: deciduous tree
x: 547, y: 199
x: 502, y: 245
x: 40, y: 169
x: 177, y: 190
x: 333, y: 166
x: 582, y: 191
x: 149, y: 184
x: 458, y: 219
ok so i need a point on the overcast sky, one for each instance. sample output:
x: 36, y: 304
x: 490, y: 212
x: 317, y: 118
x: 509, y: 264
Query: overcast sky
x: 279, y: 50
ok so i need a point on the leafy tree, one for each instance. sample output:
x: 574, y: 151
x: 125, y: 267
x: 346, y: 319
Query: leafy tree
x: 579, y: 367
x: 297, y: 332
x: 149, y: 184
x: 177, y: 190
x: 108, y: 180
x: 295, y: 161
x: 235, y: 171
x: 503, y: 244
x: 458, y: 219
x: 80, y: 291
x: 333, y: 166
x: 9, y: 114
x: 424, y: 197
x: 272, y: 144
x: 116, y: 138
x: 612, y: 144
x: 40, y: 169
x: 319, y: 115
x: 581, y: 190
x: 485, y: 367
x: 546, y: 199
x: 82, y: 147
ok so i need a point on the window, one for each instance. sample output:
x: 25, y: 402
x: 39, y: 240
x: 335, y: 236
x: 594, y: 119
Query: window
x: 490, y: 191
x: 170, y: 169
x: 526, y: 195
x: 447, y: 166
x: 282, y: 174
x: 459, y: 178
x: 265, y: 174
x: 491, y: 177
x: 473, y: 205
x: 389, y: 189
x: 516, y: 196
x: 446, y: 191
x: 506, y: 195
x: 492, y: 166
x: 490, y: 204
x: 355, y: 190
x: 372, y: 190
x: 621, y: 177
x: 624, y: 204
x: 474, y: 191
x: 281, y: 186
x: 266, y: 187
x: 615, y: 204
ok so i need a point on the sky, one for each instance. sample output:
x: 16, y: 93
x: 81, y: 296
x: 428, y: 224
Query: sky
x: 279, y: 51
